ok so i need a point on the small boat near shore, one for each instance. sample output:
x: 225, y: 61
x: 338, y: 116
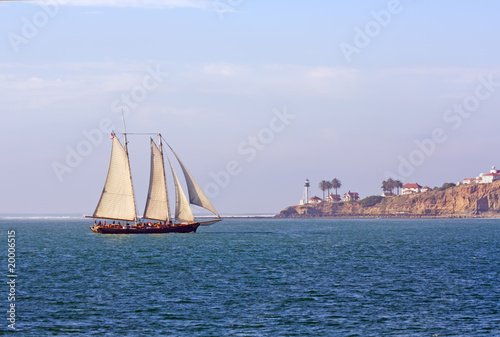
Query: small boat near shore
x: 116, y: 210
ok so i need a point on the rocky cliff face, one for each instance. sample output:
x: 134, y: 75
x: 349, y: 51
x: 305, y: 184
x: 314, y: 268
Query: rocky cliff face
x: 482, y: 200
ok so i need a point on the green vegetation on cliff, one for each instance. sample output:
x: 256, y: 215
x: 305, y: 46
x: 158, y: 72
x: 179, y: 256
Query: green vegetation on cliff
x: 371, y: 200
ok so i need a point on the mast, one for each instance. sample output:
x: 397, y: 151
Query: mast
x: 125, y: 133
x: 128, y: 160
x: 157, y: 207
x: 169, y: 216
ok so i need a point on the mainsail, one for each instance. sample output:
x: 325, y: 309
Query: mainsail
x: 117, y: 199
x: 196, y: 194
x: 157, y: 202
x: 182, y: 209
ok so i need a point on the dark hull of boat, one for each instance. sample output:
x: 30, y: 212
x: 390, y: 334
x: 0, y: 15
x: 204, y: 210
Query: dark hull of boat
x: 189, y: 228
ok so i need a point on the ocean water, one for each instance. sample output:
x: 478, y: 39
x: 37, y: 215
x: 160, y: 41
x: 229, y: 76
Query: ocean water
x: 256, y: 277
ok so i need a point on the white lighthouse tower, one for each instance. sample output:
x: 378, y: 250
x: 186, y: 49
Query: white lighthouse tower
x: 305, y: 196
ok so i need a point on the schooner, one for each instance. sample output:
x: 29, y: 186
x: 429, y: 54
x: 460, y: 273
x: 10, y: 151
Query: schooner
x: 117, y: 202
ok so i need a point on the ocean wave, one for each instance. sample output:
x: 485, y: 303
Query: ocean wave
x: 40, y: 217
x: 79, y: 217
x: 248, y: 216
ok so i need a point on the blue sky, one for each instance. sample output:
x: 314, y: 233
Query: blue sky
x: 224, y: 71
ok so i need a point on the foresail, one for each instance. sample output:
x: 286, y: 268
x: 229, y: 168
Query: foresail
x: 117, y: 199
x: 157, y: 201
x: 196, y: 194
x: 182, y: 209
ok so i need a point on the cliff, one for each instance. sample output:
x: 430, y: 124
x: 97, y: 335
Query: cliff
x: 476, y: 200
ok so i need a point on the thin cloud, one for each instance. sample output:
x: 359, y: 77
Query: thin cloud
x: 222, y: 69
x: 330, y: 72
x: 197, y: 4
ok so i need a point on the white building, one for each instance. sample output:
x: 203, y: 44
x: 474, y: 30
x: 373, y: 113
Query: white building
x: 351, y: 196
x: 468, y: 181
x: 494, y: 175
x: 489, y: 178
x: 333, y: 197
x: 411, y: 188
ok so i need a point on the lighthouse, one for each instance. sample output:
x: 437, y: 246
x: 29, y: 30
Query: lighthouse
x: 305, y: 196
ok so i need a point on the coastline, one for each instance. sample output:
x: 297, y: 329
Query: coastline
x: 395, y: 216
x: 278, y: 217
x: 474, y: 201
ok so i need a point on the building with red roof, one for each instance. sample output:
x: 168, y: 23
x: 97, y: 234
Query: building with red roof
x: 315, y: 200
x: 494, y: 175
x: 351, y: 196
x: 411, y: 188
x: 489, y: 178
x: 467, y: 181
x: 333, y: 197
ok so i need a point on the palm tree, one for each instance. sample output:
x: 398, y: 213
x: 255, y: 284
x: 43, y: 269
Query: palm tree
x: 336, y: 184
x: 385, y: 187
x: 328, y: 187
x: 323, y: 185
x: 399, y: 184
x: 391, y: 184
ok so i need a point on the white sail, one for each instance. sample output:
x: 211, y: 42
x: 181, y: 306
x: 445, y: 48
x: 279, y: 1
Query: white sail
x: 157, y: 201
x: 182, y: 209
x: 117, y: 199
x: 196, y: 194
